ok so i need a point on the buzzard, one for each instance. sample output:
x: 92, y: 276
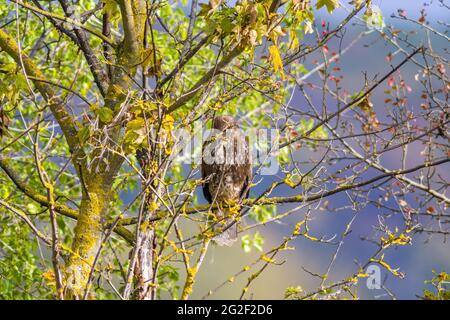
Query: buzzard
x: 227, y: 173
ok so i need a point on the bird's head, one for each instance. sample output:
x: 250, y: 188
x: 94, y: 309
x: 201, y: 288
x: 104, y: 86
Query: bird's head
x: 223, y: 123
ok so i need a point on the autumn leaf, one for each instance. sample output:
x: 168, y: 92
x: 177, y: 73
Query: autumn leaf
x: 402, y: 13
x: 275, y: 59
x: 135, y: 134
x: 366, y: 105
x: 391, y: 82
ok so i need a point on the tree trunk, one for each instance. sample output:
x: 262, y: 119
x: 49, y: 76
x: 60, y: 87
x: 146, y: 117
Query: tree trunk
x: 88, y: 235
x: 146, y: 267
x: 144, y: 264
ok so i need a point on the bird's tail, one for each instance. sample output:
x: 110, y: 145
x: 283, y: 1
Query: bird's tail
x: 228, y: 236
x: 227, y: 228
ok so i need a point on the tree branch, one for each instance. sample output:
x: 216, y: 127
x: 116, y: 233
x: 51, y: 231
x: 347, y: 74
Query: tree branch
x: 65, y: 121
x: 66, y: 19
x: 22, y: 215
x: 353, y: 102
x: 58, y: 207
x: 99, y: 73
x: 206, y: 78
x: 226, y: 60
x: 185, y: 59
x: 297, y: 198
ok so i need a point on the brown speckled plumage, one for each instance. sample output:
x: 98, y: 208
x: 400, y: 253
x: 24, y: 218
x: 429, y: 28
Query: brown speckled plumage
x: 227, y: 169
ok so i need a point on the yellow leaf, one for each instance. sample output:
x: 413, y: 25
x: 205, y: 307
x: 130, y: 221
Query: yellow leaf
x: 267, y: 259
x: 146, y: 57
x: 275, y: 58
x: 49, y: 277
x: 293, y: 40
x: 167, y: 123
x: 153, y: 206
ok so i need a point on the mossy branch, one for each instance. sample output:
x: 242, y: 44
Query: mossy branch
x: 300, y: 198
x: 58, y: 207
x: 192, y: 271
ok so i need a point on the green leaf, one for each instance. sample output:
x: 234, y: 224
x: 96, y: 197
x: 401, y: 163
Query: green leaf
x: 226, y: 25
x: 21, y: 82
x: 105, y: 114
x: 83, y: 134
x: 112, y: 8
x: 262, y: 213
x: 136, y: 124
x: 248, y: 242
x: 374, y: 18
x: 330, y: 4
x: 258, y: 241
x: 292, y: 292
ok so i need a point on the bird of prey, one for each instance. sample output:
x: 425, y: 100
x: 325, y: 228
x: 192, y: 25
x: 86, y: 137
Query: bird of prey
x: 227, y: 174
